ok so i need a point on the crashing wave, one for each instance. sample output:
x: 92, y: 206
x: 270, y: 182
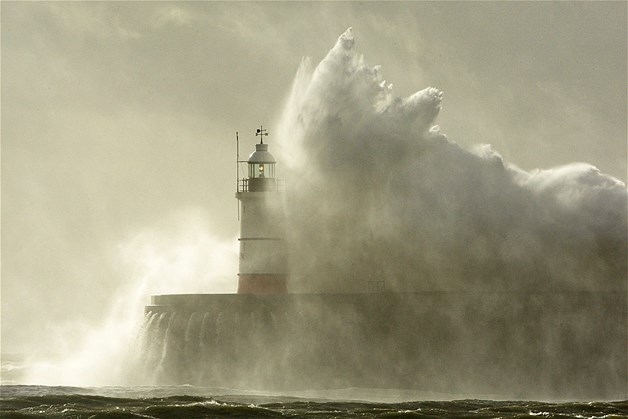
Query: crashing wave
x: 380, y: 194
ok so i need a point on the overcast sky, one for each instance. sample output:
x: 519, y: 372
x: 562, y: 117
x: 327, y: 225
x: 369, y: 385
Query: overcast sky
x: 119, y: 118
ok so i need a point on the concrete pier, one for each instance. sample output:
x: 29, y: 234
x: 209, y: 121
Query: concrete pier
x: 568, y: 345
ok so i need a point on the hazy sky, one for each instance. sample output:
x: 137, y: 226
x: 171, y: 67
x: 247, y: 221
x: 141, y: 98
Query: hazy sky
x: 118, y: 123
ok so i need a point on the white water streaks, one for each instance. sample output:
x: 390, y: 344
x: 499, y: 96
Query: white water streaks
x: 379, y: 195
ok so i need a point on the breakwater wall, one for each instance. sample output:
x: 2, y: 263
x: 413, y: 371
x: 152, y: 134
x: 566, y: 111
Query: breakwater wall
x: 569, y: 345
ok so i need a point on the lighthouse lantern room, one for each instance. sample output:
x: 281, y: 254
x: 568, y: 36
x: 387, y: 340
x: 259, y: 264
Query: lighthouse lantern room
x: 262, y: 267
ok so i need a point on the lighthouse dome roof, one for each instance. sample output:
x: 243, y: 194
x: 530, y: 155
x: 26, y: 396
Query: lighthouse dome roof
x: 261, y: 155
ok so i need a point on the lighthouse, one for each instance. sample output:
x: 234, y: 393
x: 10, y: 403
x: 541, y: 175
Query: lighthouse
x: 262, y: 265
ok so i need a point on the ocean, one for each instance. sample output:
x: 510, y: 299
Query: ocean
x: 28, y: 401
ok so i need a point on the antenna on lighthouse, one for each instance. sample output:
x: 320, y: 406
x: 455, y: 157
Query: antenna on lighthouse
x: 238, y: 169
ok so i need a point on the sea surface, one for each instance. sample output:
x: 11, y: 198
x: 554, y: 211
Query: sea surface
x: 27, y: 401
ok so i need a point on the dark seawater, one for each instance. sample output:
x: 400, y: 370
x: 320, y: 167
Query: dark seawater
x: 21, y: 401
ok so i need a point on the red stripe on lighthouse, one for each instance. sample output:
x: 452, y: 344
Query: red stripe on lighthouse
x: 262, y: 284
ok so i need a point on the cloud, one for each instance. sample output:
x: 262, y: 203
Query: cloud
x: 87, y: 19
x: 172, y: 14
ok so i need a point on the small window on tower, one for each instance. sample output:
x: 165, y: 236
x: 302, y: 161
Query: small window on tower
x: 261, y: 170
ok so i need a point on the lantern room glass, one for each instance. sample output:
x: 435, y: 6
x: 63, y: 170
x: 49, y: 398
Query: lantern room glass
x: 261, y: 170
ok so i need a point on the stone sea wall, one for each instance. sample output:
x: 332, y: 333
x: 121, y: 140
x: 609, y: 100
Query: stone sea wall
x: 570, y: 345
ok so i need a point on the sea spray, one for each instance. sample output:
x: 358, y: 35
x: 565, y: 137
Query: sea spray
x: 179, y: 254
x: 415, y: 263
x: 379, y: 195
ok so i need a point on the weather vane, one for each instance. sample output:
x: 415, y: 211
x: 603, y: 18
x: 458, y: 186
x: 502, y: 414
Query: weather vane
x: 261, y: 132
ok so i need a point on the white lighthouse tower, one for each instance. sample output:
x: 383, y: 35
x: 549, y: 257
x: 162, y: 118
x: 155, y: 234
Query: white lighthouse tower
x: 262, y: 267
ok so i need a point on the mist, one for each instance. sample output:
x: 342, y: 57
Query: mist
x: 179, y: 254
x: 117, y: 146
x: 379, y: 196
x: 414, y: 263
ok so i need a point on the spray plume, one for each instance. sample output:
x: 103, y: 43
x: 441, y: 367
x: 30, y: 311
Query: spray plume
x: 379, y: 195
x: 177, y: 255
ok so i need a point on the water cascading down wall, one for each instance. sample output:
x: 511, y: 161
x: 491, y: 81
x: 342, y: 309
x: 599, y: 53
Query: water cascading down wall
x: 525, y: 345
